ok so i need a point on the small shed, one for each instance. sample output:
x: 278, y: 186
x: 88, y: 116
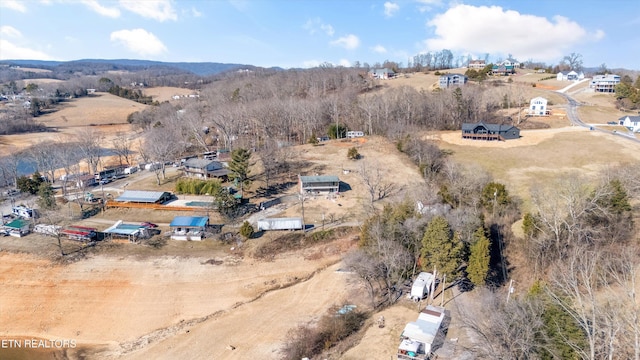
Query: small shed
x: 316, y: 184
x: 294, y: 223
x: 148, y: 197
x: 131, y: 232
x: 79, y: 233
x: 188, y: 227
x: 18, y: 227
x: 422, y: 285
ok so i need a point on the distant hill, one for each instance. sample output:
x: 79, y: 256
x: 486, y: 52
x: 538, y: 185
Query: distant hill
x: 197, y: 68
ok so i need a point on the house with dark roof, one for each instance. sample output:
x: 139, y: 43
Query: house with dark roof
x: 570, y: 76
x: 382, y: 74
x: 316, y: 184
x: 630, y: 122
x: 482, y: 131
x: 204, y: 169
x: 452, y: 80
x: 147, y: 197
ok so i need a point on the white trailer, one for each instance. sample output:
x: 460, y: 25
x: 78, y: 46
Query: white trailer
x: 280, y: 224
x: 23, y: 211
x: 153, y: 166
x: 421, y: 286
x: 130, y: 170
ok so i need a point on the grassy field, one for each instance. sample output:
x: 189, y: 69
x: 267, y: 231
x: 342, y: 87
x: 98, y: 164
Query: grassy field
x: 559, y: 152
x: 98, y: 109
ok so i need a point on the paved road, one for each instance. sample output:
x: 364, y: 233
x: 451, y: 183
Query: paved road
x: 572, y: 114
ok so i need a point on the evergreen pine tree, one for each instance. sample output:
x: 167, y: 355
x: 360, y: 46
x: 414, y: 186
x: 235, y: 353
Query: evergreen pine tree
x: 440, y: 248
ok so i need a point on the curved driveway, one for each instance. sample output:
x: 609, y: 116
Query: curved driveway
x: 572, y: 114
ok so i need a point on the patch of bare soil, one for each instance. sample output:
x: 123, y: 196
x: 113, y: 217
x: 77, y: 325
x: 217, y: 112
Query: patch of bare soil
x: 148, y: 308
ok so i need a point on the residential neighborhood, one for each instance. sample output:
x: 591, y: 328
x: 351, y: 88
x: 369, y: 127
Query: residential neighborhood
x: 402, y: 180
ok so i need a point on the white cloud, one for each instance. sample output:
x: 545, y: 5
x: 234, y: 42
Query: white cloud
x: 328, y: 29
x: 390, y: 8
x: 14, y: 5
x: 379, y: 49
x: 348, y: 42
x: 139, y: 41
x: 344, y: 62
x: 496, y: 31
x: 10, y: 31
x: 427, y: 5
x: 160, y: 10
x: 311, y: 63
x: 599, y: 34
x: 102, y: 10
x: 195, y: 12
x: 316, y: 25
x: 11, y: 51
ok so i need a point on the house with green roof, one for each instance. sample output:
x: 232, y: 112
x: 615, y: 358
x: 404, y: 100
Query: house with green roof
x: 18, y: 227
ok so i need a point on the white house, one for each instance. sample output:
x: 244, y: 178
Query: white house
x: 570, y: 76
x: 382, y: 74
x: 477, y: 64
x: 538, y: 106
x: 630, y: 122
x: 604, y: 83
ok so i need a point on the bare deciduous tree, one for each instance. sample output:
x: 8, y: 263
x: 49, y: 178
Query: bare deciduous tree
x: 377, y: 185
x: 89, y: 145
x: 122, y: 144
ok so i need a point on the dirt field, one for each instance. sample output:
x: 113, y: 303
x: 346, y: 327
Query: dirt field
x: 105, y: 301
x: 165, y: 93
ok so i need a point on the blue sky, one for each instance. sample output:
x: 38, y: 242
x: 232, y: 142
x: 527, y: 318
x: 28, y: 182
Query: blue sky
x: 307, y: 33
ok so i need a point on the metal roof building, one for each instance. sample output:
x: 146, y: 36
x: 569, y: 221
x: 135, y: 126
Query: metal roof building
x: 188, y: 227
x: 131, y: 231
x: 189, y: 221
x: 326, y: 183
x: 140, y: 196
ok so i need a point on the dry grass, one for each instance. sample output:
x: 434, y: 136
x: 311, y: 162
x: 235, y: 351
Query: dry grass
x: 99, y: 109
x: 541, y: 155
x: 165, y: 93
x: 35, y: 70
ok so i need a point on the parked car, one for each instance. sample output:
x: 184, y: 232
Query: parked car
x: 104, y: 181
x: 612, y: 123
x: 149, y: 225
x: 12, y: 192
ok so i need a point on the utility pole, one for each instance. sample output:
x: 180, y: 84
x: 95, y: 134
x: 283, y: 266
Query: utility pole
x: 304, y: 230
x: 511, y: 289
x: 444, y: 286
